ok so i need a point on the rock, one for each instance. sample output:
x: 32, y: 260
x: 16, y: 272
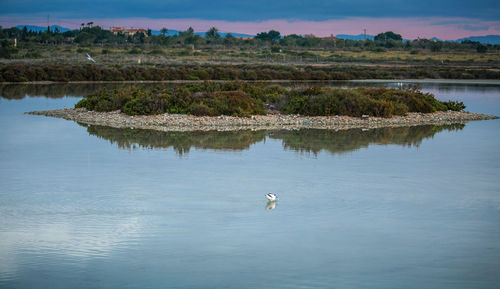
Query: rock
x: 177, y: 122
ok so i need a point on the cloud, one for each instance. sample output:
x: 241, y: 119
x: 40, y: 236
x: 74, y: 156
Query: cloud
x: 475, y: 27
x: 410, y: 28
x: 255, y: 10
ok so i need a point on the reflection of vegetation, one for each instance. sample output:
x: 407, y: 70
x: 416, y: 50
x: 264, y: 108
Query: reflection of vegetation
x: 181, y: 142
x: 59, y: 90
x: 310, y: 141
x: 313, y: 141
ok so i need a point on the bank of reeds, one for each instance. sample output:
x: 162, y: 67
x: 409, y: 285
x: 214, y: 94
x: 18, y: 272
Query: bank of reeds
x: 90, y: 72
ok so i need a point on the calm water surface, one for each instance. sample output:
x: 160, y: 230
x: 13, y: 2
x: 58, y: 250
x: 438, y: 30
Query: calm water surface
x: 97, y: 207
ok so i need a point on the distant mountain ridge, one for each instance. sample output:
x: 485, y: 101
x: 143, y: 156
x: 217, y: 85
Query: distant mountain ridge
x: 222, y: 34
x: 35, y: 28
x: 354, y: 37
x: 487, y: 39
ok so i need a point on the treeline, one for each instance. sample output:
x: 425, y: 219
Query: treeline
x: 64, y: 73
x: 246, y: 99
x: 303, y: 141
x: 95, y: 35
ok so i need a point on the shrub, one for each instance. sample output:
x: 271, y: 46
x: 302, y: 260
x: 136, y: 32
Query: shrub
x: 454, y: 105
x: 245, y: 99
x: 81, y: 50
x: 135, y: 50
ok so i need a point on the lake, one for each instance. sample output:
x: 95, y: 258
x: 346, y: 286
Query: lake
x: 97, y: 207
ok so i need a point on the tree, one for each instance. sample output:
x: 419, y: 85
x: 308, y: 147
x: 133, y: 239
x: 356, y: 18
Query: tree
x: 212, y: 33
x: 163, y: 31
x: 271, y: 35
x: 436, y: 46
x: 85, y: 38
x: 24, y: 33
x: 387, y: 36
x: 481, y: 48
x: 188, y: 36
x: 274, y: 35
x: 149, y: 32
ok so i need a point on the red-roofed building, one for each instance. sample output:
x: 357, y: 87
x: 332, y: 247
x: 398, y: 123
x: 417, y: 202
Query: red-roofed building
x: 128, y: 31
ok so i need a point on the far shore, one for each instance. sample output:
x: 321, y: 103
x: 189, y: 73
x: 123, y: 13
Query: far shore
x: 177, y: 122
x: 420, y: 81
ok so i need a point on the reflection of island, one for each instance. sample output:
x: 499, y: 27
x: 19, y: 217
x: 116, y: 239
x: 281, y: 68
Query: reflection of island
x: 313, y: 141
x: 181, y: 142
x: 59, y: 90
x: 308, y: 141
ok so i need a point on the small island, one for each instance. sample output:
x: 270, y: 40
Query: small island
x: 227, y: 106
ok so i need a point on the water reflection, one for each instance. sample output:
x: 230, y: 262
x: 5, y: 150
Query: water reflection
x: 303, y: 141
x: 342, y: 141
x: 59, y: 90
x: 181, y: 142
x: 271, y: 205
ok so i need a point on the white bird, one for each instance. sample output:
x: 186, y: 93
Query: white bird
x: 90, y: 58
x: 271, y: 197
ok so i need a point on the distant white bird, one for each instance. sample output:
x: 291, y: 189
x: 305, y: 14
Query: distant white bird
x: 90, y: 58
x: 271, y: 197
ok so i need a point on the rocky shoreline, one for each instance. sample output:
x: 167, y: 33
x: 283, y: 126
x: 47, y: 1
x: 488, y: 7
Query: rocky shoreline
x: 177, y: 122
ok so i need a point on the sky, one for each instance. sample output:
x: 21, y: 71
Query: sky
x: 445, y: 19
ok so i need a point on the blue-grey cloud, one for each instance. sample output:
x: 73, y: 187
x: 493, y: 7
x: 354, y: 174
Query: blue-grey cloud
x: 474, y: 27
x: 254, y: 10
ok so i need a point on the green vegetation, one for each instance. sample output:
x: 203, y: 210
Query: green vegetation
x: 246, y: 99
x: 61, y: 57
x: 267, y: 47
x: 380, y: 102
x: 94, y: 35
x: 198, y: 99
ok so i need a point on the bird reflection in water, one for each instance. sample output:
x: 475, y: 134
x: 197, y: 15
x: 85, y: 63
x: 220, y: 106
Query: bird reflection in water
x: 271, y: 205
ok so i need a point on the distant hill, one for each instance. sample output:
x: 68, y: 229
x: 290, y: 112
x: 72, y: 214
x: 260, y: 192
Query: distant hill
x: 154, y: 32
x: 35, y: 28
x: 487, y: 39
x: 222, y: 34
x: 354, y: 37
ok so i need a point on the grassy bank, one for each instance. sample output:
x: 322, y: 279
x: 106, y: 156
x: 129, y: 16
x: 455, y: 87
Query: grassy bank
x: 246, y: 99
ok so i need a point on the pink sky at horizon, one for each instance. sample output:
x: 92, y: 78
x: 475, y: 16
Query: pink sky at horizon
x: 409, y: 28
